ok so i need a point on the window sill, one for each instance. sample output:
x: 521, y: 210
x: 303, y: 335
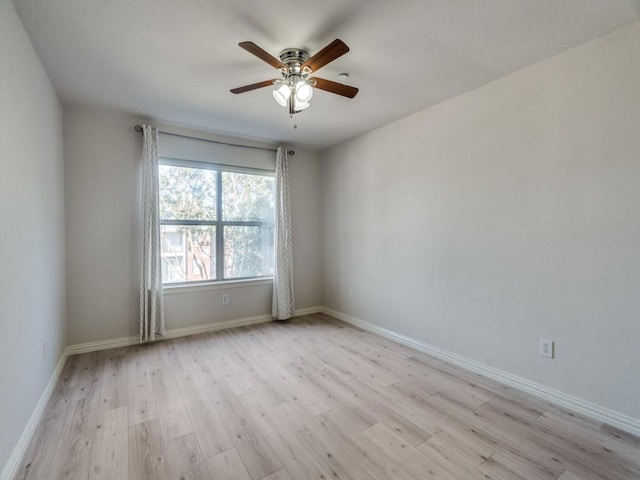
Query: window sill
x: 200, y: 287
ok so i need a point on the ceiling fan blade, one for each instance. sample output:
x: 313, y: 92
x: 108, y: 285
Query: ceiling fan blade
x: 335, y: 49
x: 261, y: 54
x: 253, y: 86
x: 334, y: 87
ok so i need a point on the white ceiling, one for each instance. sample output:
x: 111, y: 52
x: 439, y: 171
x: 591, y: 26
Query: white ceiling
x: 175, y: 60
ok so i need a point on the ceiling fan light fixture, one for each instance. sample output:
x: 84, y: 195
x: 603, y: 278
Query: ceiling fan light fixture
x: 281, y: 94
x: 304, y: 91
x: 294, y: 89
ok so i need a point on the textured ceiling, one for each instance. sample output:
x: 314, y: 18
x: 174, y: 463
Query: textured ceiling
x: 175, y: 60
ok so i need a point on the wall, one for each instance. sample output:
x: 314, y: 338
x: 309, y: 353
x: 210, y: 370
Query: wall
x: 502, y: 216
x: 102, y: 175
x: 32, y: 223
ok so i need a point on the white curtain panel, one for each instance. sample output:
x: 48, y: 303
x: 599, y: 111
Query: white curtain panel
x: 283, y: 301
x: 151, y: 305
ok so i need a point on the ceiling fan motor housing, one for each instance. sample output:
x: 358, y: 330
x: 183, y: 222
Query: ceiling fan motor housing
x: 293, y: 58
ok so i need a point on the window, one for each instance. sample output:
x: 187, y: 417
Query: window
x: 215, y: 224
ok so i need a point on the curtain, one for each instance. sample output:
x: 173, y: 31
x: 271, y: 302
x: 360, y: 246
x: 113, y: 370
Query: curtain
x: 283, y: 302
x: 151, y: 306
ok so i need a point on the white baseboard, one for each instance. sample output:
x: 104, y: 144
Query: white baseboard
x: 181, y: 332
x: 15, y: 459
x: 213, y: 327
x: 173, y: 333
x: 601, y: 414
x: 102, y: 345
x: 308, y: 311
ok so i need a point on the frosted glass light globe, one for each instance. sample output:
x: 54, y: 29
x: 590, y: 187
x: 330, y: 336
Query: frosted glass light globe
x: 304, y: 91
x: 300, y: 105
x: 281, y: 94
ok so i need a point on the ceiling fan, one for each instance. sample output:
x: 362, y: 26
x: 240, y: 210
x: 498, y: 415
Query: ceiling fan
x: 295, y: 87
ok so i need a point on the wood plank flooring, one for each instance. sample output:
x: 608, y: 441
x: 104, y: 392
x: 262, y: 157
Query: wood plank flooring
x: 311, y: 398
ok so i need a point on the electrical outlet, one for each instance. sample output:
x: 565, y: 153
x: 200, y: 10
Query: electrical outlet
x: 225, y: 299
x: 546, y: 348
x: 45, y: 347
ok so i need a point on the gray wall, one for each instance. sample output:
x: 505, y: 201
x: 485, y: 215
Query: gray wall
x: 102, y: 174
x: 502, y: 216
x: 32, y: 252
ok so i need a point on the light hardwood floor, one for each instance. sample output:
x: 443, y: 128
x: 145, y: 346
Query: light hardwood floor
x: 312, y: 398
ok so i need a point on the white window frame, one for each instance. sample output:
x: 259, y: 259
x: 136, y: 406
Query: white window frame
x: 219, y: 223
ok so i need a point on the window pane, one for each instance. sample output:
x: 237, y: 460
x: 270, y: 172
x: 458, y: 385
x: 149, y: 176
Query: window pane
x: 187, y: 193
x: 188, y: 253
x: 247, y: 197
x: 248, y: 251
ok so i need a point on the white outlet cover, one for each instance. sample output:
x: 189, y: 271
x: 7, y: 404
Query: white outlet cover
x: 546, y: 348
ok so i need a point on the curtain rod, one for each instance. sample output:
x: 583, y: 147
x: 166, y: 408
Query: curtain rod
x: 138, y: 128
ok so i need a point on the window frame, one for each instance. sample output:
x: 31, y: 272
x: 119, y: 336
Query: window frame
x: 219, y: 223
